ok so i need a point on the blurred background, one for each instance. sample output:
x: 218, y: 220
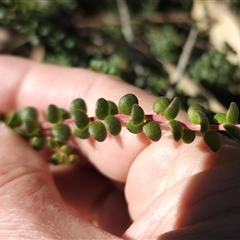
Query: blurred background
x: 184, y: 48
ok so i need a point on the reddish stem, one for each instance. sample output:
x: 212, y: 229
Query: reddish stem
x: 158, y: 118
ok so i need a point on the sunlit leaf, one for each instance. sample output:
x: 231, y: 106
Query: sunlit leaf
x: 232, y: 113
x: 173, y: 109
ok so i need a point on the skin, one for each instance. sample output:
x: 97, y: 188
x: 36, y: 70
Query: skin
x: 125, y: 187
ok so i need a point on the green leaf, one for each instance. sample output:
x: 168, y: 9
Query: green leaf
x: 38, y: 143
x: 72, y: 158
x: 29, y: 112
x: 126, y: 102
x: 192, y: 112
x: 83, y: 134
x: 66, y: 149
x: 188, y: 136
x: 113, y: 109
x: 196, y: 114
x: 31, y: 126
x: 54, y: 143
x: 113, y: 125
x: 78, y: 103
x: 204, y: 123
x: 53, y: 114
x: 173, y: 109
x: 13, y: 119
x: 233, y: 130
x: 133, y: 128
x: 232, y: 113
x: 137, y: 114
x: 81, y: 119
x: 152, y: 130
x: 211, y: 138
x: 101, y: 109
x: 176, y: 128
x: 61, y: 131
x: 220, y: 118
x: 161, y: 104
x: 64, y: 114
x: 56, y: 159
x: 98, y: 131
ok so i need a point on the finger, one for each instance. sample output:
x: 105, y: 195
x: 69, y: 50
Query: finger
x: 41, y: 85
x: 160, y: 167
x: 31, y: 206
x: 201, y: 197
x: 80, y: 188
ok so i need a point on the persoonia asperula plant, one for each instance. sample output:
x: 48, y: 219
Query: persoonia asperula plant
x: 61, y: 127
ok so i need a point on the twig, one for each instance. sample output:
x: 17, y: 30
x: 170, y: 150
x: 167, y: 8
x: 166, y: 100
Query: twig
x: 129, y: 37
x: 37, y: 53
x: 183, y: 60
x: 111, y: 19
x: 192, y: 88
x: 125, y: 21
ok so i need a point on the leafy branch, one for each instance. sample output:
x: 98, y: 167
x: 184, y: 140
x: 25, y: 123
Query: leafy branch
x: 62, y: 126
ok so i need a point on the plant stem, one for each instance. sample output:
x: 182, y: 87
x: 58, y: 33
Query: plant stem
x: 155, y: 117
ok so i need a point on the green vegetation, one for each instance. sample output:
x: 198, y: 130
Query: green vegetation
x: 88, y: 34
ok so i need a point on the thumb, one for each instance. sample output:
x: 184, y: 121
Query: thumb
x: 31, y: 206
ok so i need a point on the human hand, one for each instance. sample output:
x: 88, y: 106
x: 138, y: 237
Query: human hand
x: 170, y: 186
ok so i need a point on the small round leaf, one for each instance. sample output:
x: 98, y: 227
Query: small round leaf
x: 173, y: 109
x: 137, y: 115
x: 211, y: 138
x: 113, y: 125
x: 113, y: 109
x: 31, y: 126
x: 176, y: 129
x: 160, y: 105
x: 83, y: 134
x: 13, y: 119
x: 196, y: 114
x: 192, y: 112
x: 56, y: 159
x: 126, y: 102
x: 81, y: 119
x: 98, y: 131
x: 53, y: 114
x: 61, y: 131
x: 204, y: 123
x: 78, y: 103
x: 66, y: 149
x: 72, y: 158
x: 188, y: 136
x: 64, y: 114
x: 29, y: 112
x: 133, y: 128
x: 101, y: 109
x: 38, y: 143
x: 152, y: 130
x: 232, y: 113
x: 54, y: 143
x: 220, y: 118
